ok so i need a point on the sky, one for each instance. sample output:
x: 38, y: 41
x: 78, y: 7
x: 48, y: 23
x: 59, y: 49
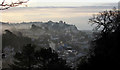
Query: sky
x: 76, y: 12
x: 37, y: 3
x: 68, y: 2
x: 76, y: 0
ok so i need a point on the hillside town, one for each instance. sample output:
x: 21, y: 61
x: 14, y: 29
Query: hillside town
x: 69, y: 42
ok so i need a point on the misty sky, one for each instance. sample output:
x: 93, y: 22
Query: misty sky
x: 75, y: 12
x: 69, y: 2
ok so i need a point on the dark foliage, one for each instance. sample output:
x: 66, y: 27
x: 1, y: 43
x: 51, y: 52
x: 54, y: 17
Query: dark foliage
x: 104, y: 53
x: 13, y: 40
x: 51, y: 60
x: 43, y: 59
x: 24, y: 60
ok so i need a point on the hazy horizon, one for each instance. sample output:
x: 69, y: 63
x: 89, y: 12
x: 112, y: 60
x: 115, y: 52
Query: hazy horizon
x: 76, y: 13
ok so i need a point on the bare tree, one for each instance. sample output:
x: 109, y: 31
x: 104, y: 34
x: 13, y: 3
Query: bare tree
x: 4, y: 5
x: 106, y: 20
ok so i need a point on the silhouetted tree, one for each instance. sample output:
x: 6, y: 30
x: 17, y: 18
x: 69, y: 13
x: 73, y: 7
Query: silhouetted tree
x: 25, y: 59
x: 51, y: 60
x: 104, y: 52
x: 106, y: 21
x: 43, y: 59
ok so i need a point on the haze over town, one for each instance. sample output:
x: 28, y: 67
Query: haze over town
x: 58, y: 35
x: 73, y: 12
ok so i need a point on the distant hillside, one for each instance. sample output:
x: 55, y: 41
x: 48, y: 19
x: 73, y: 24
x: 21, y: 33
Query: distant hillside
x: 55, y: 26
x: 12, y: 40
x: 50, y: 25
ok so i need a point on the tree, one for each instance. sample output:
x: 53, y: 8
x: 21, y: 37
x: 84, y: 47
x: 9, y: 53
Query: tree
x: 51, y: 60
x: 106, y: 21
x: 104, y: 53
x: 43, y: 59
x: 25, y: 59
x: 4, y: 5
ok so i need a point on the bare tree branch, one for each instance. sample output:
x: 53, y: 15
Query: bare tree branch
x: 5, y: 6
x: 107, y: 20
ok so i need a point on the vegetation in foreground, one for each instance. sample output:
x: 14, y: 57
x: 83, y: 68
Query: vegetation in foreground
x: 103, y: 53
